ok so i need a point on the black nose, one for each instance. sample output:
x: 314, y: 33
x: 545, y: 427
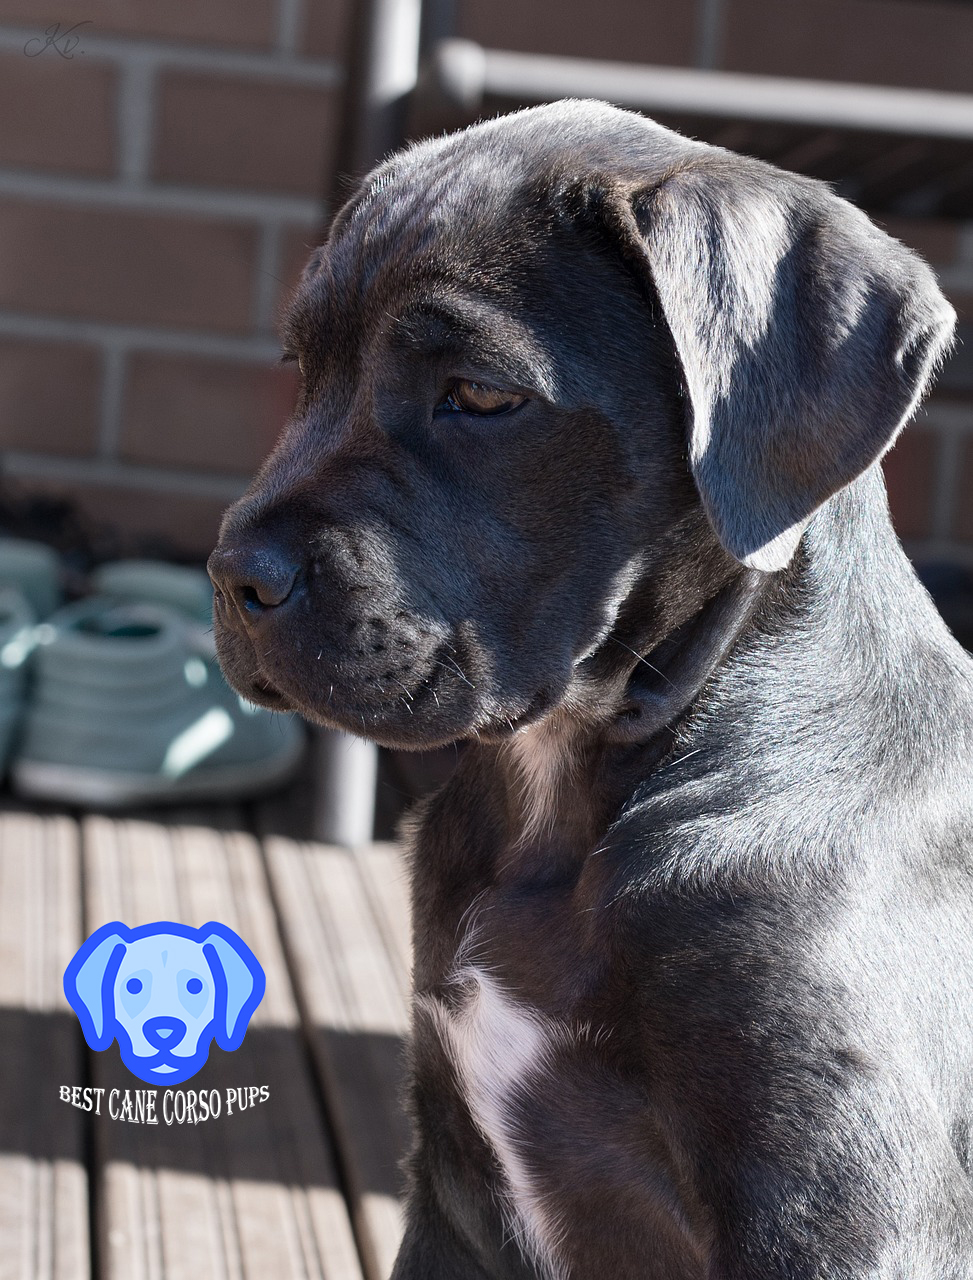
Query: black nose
x: 254, y: 578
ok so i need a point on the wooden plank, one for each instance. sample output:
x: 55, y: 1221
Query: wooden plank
x: 248, y: 1195
x: 43, y: 1180
x: 353, y: 1001
x: 386, y: 879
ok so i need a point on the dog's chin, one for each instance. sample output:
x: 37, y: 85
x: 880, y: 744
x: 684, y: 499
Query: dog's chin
x: 422, y: 722
x: 444, y: 702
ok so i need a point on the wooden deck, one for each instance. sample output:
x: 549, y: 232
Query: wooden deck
x: 304, y: 1186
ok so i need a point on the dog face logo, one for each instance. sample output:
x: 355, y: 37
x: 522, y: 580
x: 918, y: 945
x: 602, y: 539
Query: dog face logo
x: 164, y: 992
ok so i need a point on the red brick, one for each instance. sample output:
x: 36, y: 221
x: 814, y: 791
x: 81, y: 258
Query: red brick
x: 935, y: 238
x: 893, y: 42
x: 910, y: 474
x: 963, y: 497
x: 217, y: 131
x: 57, y: 114
x: 185, y: 412
x: 104, y: 264
x: 326, y: 28
x: 140, y: 519
x: 49, y: 396
x: 650, y: 31
x: 224, y: 22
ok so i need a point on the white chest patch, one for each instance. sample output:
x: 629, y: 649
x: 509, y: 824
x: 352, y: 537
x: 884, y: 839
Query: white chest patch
x: 499, y: 1047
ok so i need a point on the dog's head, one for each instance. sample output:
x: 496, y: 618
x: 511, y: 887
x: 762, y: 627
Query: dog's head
x: 164, y: 992
x: 564, y: 374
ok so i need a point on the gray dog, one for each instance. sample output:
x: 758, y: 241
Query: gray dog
x: 584, y: 474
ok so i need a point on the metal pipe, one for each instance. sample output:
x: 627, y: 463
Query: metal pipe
x: 346, y: 775
x: 381, y: 70
x: 462, y: 75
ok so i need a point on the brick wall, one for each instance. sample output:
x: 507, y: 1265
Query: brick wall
x: 159, y: 190
x: 160, y: 187
x: 914, y: 43
x: 930, y: 470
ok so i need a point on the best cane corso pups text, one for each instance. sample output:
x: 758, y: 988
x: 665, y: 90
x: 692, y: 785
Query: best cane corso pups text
x: 584, y: 473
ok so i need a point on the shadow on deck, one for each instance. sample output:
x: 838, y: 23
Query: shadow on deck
x: 304, y: 1184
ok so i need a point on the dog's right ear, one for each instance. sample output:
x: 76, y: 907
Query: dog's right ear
x: 806, y: 335
x: 90, y: 978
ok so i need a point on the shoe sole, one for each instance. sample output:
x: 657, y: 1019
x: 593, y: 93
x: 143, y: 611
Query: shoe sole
x: 114, y: 790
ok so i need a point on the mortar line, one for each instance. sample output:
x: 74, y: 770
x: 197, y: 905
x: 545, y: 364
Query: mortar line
x: 254, y: 350
x: 709, y: 33
x: 319, y: 73
x: 290, y: 24
x: 141, y: 197
x: 267, y: 281
x: 112, y: 397
x: 114, y: 474
x: 135, y: 116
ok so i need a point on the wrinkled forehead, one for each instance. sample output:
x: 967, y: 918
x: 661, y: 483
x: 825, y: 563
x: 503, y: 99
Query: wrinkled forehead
x: 485, y: 196
x: 430, y: 257
x: 163, y: 952
x: 446, y: 214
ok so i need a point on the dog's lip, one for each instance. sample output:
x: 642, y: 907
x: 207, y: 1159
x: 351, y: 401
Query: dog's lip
x: 423, y: 725
x: 500, y: 726
x: 258, y: 690
x: 267, y: 691
x: 418, y: 716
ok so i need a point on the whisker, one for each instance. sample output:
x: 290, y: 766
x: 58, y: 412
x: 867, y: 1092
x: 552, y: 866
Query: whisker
x: 644, y: 661
x: 455, y: 667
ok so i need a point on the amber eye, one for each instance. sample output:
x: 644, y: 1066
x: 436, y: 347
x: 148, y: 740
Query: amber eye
x: 478, y: 397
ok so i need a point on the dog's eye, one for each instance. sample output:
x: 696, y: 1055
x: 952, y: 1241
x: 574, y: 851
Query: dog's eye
x: 291, y: 357
x: 134, y: 986
x: 480, y: 398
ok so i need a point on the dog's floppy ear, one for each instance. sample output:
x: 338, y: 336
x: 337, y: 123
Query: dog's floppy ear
x: 806, y: 337
x: 240, y: 982
x: 88, y: 982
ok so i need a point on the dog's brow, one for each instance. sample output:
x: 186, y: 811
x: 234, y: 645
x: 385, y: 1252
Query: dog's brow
x: 479, y: 332
x: 294, y: 327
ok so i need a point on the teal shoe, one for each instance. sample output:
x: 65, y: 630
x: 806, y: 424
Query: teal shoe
x: 30, y: 588
x: 188, y: 591
x: 35, y: 570
x: 16, y: 642
x: 129, y: 709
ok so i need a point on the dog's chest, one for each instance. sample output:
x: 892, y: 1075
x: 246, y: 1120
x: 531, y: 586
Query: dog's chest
x: 566, y: 1127
x: 504, y: 1054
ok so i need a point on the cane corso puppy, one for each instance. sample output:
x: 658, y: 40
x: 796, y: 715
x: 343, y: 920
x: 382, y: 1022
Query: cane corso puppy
x: 584, y: 474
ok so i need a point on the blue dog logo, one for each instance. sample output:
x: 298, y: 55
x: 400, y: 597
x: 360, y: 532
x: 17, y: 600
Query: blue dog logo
x: 164, y: 992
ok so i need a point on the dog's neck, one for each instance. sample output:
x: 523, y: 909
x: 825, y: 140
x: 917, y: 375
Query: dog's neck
x: 634, y: 709
x: 854, y: 623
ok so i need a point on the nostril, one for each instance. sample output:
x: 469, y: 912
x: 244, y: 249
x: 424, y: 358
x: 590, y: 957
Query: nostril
x: 251, y: 599
x: 254, y: 578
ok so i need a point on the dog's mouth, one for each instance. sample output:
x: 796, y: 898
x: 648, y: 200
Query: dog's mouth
x: 432, y: 705
x: 446, y: 698
x: 499, y: 726
x: 264, y: 694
